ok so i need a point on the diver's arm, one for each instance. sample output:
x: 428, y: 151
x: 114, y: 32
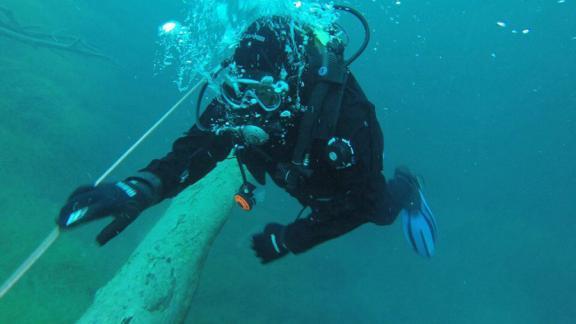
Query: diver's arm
x: 192, y: 157
x: 300, y: 236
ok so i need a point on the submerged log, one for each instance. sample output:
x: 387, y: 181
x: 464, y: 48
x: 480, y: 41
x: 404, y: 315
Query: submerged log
x: 157, y: 283
x: 10, y: 27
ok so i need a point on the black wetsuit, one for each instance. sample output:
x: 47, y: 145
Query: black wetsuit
x: 340, y: 200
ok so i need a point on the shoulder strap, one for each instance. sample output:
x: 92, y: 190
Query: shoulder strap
x: 309, y: 119
x: 323, y: 109
x: 328, y: 119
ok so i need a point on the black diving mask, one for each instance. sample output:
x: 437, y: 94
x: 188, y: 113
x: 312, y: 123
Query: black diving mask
x: 242, y: 93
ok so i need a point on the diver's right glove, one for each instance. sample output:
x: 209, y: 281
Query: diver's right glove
x: 124, y: 200
x: 418, y: 222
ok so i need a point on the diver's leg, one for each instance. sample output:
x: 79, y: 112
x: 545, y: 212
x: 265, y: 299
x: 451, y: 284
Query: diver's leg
x: 390, y: 197
x: 306, y: 233
x: 381, y: 202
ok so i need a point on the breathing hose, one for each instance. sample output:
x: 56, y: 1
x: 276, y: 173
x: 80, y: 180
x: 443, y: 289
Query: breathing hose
x: 366, y: 27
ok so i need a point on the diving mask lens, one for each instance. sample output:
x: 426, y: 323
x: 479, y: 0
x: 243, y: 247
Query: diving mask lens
x: 237, y: 95
x: 230, y: 95
x: 243, y: 93
x: 267, y: 98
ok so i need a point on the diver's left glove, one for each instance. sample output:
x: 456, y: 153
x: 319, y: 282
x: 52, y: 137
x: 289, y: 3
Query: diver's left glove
x: 123, y: 200
x: 269, y: 245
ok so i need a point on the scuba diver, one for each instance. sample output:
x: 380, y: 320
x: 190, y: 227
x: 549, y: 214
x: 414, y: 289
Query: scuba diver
x: 289, y: 107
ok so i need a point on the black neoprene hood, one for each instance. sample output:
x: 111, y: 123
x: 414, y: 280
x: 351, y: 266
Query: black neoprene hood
x: 269, y: 45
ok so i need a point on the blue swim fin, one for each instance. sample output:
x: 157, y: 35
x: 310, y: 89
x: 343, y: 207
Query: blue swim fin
x: 420, y: 228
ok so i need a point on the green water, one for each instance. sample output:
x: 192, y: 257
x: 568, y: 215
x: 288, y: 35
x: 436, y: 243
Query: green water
x: 485, y: 115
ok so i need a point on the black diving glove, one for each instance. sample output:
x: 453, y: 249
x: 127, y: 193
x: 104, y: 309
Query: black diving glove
x: 269, y: 245
x: 123, y: 200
